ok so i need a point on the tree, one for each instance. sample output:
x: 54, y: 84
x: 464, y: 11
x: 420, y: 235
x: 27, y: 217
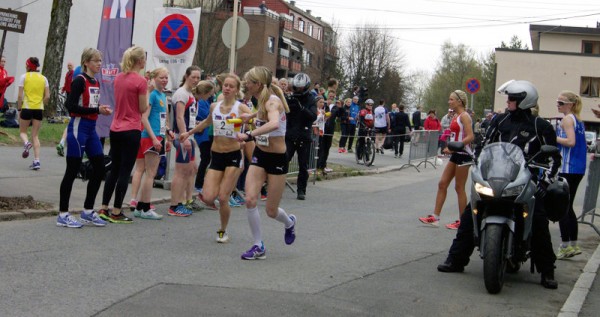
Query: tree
x: 514, y: 44
x: 55, y: 49
x: 416, y: 85
x: 370, y: 56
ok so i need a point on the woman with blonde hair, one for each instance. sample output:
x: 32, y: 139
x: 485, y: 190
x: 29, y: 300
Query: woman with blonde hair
x: 131, y: 100
x: 226, y: 156
x: 461, y: 129
x: 269, y: 161
x: 573, y: 148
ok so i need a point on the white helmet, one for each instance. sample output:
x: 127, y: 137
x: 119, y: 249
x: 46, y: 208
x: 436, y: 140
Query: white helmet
x: 523, y: 91
x: 301, y: 83
x: 369, y: 101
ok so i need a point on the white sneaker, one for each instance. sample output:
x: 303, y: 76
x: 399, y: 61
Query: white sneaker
x: 150, y: 214
x: 222, y: 237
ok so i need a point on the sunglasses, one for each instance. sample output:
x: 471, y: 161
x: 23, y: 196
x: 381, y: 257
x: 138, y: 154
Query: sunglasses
x: 562, y: 103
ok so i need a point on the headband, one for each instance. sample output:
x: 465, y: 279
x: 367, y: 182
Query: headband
x: 31, y: 65
x: 459, y: 98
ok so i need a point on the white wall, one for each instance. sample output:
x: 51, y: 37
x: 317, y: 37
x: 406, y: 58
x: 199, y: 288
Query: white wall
x: 84, y: 25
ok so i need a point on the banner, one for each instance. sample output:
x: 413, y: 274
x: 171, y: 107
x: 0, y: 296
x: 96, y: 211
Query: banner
x: 116, y: 32
x: 175, y: 38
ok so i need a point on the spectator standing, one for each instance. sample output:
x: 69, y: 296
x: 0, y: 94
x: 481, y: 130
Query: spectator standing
x: 34, y: 93
x: 344, y: 125
x: 303, y: 112
x: 327, y: 138
x: 5, y: 81
x: 416, y: 119
x: 352, y: 120
x: 431, y: 122
x: 203, y: 93
x: 447, y: 119
x: 573, y: 148
x: 131, y: 100
x: 382, y: 125
x: 82, y: 138
x: 66, y: 89
x: 399, y: 123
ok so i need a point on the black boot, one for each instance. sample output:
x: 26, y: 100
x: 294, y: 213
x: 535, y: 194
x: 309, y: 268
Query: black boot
x: 548, y: 280
x: 301, y: 195
x: 449, y: 267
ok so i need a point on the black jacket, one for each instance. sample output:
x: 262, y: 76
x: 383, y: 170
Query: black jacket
x: 527, y: 131
x: 399, y: 122
x: 303, y: 112
x: 416, y: 118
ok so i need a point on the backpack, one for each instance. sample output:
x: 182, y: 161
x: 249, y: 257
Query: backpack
x: 86, y: 169
x: 10, y: 119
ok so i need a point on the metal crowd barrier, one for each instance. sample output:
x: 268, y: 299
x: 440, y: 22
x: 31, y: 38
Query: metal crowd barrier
x: 591, y: 193
x: 423, y: 149
x: 294, y: 168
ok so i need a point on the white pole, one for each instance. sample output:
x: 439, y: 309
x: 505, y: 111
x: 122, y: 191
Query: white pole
x: 233, y: 48
x: 472, y: 105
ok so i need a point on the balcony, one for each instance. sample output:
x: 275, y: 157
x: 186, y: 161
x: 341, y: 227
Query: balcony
x: 257, y: 11
x: 284, y: 53
x: 295, y: 66
x: 284, y: 62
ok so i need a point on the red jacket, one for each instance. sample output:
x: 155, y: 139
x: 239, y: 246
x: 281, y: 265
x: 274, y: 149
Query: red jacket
x: 432, y: 124
x: 68, y: 80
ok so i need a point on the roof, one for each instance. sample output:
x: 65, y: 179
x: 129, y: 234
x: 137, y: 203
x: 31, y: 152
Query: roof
x: 536, y: 29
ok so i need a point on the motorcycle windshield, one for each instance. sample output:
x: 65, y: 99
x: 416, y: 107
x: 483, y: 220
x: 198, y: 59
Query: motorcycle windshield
x: 501, y: 161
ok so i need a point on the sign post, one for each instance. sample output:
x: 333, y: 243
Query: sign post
x: 11, y: 21
x: 473, y: 86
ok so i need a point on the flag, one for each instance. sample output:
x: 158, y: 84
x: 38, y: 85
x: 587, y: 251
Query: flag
x: 116, y: 32
x: 175, y: 38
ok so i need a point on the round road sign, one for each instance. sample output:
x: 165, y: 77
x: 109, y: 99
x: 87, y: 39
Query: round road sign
x: 174, y: 34
x: 473, y: 85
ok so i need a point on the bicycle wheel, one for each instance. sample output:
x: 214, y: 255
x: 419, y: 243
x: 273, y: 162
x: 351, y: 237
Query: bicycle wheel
x: 369, y: 155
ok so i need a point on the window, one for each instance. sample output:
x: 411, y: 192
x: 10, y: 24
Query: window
x: 271, y: 44
x: 307, y: 58
x: 301, y: 25
x: 589, y: 86
x: 590, y: 47
x: 310, y: 29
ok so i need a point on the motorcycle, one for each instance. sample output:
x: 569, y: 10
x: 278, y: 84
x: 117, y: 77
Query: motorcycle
x: 502, y: 200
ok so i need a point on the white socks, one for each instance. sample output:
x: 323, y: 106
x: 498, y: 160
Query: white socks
x: 254, y: 222
x: 284, y: 218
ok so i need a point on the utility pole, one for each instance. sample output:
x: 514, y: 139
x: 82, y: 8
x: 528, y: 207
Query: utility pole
x: 233, y: 48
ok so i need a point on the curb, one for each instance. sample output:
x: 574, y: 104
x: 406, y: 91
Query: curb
x: 574, y: 303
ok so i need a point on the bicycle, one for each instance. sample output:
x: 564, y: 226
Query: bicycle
x: 367, y: 150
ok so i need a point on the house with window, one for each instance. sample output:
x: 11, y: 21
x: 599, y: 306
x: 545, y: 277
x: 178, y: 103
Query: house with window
x: 288, y: 40
x: 561, y: 58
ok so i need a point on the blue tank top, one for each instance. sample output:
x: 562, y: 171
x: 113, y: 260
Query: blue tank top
x: 158, y: 114
x: 573, y: 158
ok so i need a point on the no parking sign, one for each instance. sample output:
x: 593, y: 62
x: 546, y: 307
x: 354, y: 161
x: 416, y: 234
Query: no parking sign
x: 175, y: 39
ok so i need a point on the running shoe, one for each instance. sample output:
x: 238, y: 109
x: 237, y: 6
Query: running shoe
x: 35, y: 165
x: 263, y: 197
x: 60, y: 149
x: 222, y: 237
x: 92, y: 218
x: 132, y: 204
x: 454, y: 225
x: 255, y: 253
x: 137, y: 213
x: 150, y: 214
x: 564, y: 253
x: 430, y: 220
x: 239, y: 197
x: 340, y: 150
x: 68, y: 221
x: 120, y: 218
x: 180, y: 211
x: 104, y: 214
x: 290, y: 233
x: 576, y: 250
x: 194, y: 205
x: 327, y: 170
x: 350, y: 151
x: 233, y: 202
x: 26, y: 149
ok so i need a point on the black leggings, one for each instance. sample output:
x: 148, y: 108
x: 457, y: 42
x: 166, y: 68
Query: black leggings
x: 66, y: 186
x: 568, y: 225
x: 123, y: 152
x: 205, y: 156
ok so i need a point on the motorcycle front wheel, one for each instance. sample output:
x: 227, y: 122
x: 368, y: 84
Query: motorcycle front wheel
x: 494, y: 260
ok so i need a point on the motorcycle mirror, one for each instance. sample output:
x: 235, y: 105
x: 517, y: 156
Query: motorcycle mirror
x: 456, y: 146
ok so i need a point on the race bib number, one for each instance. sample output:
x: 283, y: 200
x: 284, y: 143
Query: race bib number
x: 262, y: 139
x: 163, y: 123
x: 222, y: 128
x: 193, y: 113
x: 453, y: 136
x: 369, y: 116
x: 94, y: 97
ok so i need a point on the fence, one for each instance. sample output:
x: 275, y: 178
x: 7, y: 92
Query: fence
x: 294, y: 168
x: 423, y: 148
x: 591, y: 193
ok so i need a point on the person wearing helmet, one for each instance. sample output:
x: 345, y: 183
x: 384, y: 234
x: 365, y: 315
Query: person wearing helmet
x: 365, y: 123
x: 303, y: 112
x: 519, y: 126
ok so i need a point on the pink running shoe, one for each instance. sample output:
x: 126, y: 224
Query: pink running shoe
x: 430, y: 220
x: 454, y: 225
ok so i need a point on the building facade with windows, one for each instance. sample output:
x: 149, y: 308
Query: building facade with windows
x: 288, y: 40
x: 562, y: 58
